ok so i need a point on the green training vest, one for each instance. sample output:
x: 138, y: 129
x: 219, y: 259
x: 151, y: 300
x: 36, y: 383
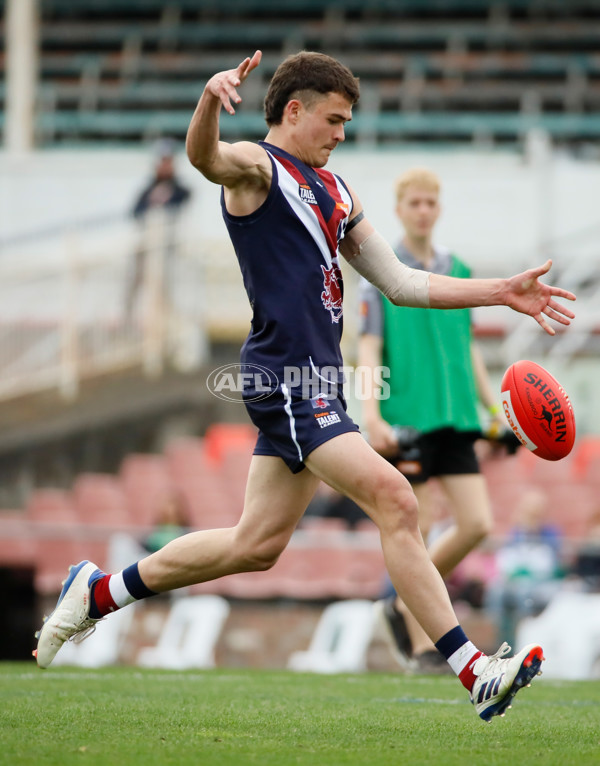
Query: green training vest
x: 428, y: 351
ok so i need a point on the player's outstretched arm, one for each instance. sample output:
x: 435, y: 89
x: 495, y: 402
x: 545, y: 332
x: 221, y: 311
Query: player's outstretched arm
x: 523, y: 292
x: 219, y: 161
x: 373, y: 258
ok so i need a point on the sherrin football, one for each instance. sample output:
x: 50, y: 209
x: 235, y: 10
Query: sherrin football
x: 538, y: 410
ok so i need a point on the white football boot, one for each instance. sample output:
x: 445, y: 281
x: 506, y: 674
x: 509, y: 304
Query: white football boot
x: 69, y: 621
x: 499, y: 678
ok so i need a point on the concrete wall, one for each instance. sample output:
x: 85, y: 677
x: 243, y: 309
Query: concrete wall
x: 499, y: 208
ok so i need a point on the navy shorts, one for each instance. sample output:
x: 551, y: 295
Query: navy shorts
x: 444, y: 452
x: 291, y: 428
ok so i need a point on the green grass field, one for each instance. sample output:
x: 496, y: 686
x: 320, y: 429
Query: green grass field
x: 126, y: 716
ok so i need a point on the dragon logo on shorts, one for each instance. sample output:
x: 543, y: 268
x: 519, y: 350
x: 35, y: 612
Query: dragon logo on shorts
x: 332, y: 292
x: 320, y: 401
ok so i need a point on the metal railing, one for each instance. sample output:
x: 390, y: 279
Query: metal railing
x: 93, y: 300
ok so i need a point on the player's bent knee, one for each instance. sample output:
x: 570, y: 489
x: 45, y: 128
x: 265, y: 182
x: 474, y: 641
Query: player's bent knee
x: 258, y: 557
x: 261, y: 561
x: 479, y: 529
x: 474, y: 528
x: 396, y: 507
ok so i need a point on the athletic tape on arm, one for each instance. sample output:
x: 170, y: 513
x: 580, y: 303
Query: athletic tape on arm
x: 377, y: 262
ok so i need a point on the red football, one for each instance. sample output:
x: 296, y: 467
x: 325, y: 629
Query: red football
x: 538, y: 410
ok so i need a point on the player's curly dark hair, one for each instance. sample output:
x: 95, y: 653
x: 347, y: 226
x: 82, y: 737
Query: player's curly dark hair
x: 307, y: 71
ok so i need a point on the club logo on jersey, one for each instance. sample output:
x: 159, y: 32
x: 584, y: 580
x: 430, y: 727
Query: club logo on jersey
x: 332, y: 292
x: 306, y: 194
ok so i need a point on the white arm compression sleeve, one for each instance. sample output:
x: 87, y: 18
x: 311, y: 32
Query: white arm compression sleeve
x: 377, y: 262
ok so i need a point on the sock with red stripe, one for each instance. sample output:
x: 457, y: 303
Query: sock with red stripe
x: 111, y: 592
x: 461, y: 655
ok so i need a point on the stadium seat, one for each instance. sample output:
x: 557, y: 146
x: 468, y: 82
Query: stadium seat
x: 185, y: 458
x: 235, y: 465
x: 318, y: 524
x: 212, y: 477
x: 208, y: 495
x: 570, y: 507
x: 189, y: 635
x: 340, y: 641
x: 549, y: 473
x: 504, y: 497
x: 223, y: 438
x: 131, y: 71
x: 53, y: 557
x: 525, y: 463
x: 318, y: 570
x: 99, y: 500
x: 17, y: 541
x: 587, y: 458
x: 51, y: 506
x: 145, y: 479
x: 502, y: 469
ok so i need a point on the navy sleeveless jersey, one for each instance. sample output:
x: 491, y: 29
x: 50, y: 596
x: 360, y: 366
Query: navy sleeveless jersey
x: 288, y: 255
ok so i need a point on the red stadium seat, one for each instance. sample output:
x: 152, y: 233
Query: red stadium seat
x: 214, y: 490
x: 548, y: 473
x: 52, y: 506
x: 571, y: 506
x: 587, y: 459
x: 17, y: 541
x: 186, y: 458
x: 145, y: 481
x: 221, y: 438
x: 99, y: 499
x: 322, y: 568
x: 53, y: 557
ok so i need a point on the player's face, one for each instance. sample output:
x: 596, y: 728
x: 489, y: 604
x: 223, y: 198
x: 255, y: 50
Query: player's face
x: 165, y: 169
x: 418, y: 209
x: 320, y: 128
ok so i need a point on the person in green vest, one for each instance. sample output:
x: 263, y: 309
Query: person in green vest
x: 437, y: 380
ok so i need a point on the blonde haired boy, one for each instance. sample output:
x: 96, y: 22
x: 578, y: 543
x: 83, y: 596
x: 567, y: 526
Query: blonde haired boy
x: 437, y: 377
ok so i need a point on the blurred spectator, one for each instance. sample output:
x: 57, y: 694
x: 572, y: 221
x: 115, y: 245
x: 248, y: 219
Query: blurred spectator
x: 529, y: 566
x: 172, y: 520
x: 163, y: 192
x: 586, y: 564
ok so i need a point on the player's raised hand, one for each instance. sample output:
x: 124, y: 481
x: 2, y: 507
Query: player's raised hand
x: 525, y: 293
x: 224, y: 85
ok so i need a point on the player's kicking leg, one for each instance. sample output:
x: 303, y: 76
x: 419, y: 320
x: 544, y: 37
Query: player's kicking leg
x: 352, y: 467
